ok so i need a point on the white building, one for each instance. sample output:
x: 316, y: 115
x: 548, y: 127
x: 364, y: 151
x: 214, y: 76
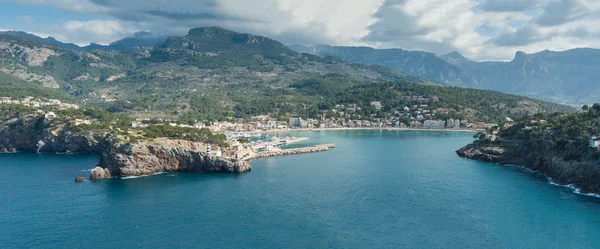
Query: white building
x: 433, y: 124
x: 49, y: 115
x: 296, y: 122
x: 377, y: 105
x: 594, y: 142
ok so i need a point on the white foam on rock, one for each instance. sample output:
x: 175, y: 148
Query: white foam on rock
x: 576, y: 190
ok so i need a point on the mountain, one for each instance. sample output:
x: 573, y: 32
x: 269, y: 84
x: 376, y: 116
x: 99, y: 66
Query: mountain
x: 137, y: 40
x: 415, y: 63
x: 48, y: 40
x: 563, y: 77
x: 219, y: 40
x: 568, y: 76
x: 238, y: 69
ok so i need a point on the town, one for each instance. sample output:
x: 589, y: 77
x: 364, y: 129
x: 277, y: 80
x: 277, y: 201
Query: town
x: 342, y: 116
x: 36, y: 102
x: 244, y: 136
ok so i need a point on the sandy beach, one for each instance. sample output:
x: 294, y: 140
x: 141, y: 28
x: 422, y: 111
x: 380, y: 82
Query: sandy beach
x: 360, y: 128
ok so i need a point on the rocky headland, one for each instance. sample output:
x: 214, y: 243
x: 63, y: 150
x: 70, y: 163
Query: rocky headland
x: 36, y: 134
x: 571, y: 166
x: 143, y: 159
x: 125, y: 152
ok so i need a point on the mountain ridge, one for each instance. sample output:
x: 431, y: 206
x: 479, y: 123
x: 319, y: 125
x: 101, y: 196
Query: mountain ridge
x: 559, y: 76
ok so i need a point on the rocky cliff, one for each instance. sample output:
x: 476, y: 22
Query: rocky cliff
x: 34, y: 133
x: 142, y: 159
x: 573, y: 165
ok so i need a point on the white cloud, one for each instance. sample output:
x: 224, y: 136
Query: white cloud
x: 99, y: 31
x: 509, y: 5
x: 480, y: 29
x: 438, y: 26
x: 562, y: 11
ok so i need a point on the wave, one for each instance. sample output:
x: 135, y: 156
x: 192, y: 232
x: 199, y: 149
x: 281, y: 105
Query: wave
x: 134, y: 177
x: 130, y: 177
x: 576, y: 190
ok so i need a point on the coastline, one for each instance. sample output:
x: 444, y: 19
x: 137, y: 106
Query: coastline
x: 359, y: 128
x: 574, y: 175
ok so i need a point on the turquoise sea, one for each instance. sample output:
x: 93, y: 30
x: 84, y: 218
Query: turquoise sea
x: 377, y: 189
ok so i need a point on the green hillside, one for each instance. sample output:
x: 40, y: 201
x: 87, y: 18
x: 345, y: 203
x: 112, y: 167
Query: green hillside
x: 213, y: 73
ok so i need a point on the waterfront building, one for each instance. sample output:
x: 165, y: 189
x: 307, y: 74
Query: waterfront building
x: 296, y: 122
x: 433, y: 124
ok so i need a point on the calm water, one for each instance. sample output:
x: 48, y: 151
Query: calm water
x: 377, y: 189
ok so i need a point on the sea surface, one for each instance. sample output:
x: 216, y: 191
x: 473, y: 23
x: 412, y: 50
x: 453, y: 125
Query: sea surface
x: 376, y: 189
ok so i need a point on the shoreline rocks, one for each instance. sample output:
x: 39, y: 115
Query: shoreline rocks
x: 583, y: 174
x: 80, y: 179
x: 99, y: 173
x: 37, y: 135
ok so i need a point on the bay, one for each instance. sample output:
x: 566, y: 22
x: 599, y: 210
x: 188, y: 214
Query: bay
x: 376, y: 189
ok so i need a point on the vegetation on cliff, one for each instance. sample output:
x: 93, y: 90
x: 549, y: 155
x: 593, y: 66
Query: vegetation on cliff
x: 562, y: 146
x: 82, y: 131
x: 559, y: 130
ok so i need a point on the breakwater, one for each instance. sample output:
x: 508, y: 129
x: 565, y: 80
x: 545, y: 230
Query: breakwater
x: 303, y: 150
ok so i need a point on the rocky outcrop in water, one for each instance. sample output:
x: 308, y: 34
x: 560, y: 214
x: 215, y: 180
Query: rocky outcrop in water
x: 573, y: 165
x: 99, y: 173
x: 142, y: 159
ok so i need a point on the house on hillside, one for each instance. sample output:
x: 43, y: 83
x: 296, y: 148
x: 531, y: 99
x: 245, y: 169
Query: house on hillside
x: 49, y: 115
x: 595, y: 142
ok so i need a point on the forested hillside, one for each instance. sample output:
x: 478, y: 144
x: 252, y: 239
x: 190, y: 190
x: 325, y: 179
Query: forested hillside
x: 562, y: 77
x: 214, y: 73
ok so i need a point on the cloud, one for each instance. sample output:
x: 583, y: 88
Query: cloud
x: 479, y: 29
x: 426, y: 25
x: 562, y: 11
x: 521, y: 37
x: 291, y: 21
x: 99, y: 31
x: 509, y: 5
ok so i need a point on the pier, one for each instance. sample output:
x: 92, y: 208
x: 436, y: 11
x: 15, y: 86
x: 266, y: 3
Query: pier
x: 303, y: 150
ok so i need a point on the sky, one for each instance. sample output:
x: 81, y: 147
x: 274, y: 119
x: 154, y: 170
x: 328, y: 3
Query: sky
x: 481, y: 30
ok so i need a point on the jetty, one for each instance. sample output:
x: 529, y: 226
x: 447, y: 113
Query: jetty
x: 294, y: 151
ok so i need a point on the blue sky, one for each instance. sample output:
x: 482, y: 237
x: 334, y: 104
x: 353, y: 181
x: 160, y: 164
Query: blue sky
x: 479, y: 29
x: 12, y: 14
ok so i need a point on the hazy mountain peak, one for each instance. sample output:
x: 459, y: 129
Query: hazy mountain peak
x: 48, y: 40
x: 213, y: 30
x: 455, y: 55
x: 142, y: 34
x: 520, y: 55
x: 217, y: 39
x: 137, y: 40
